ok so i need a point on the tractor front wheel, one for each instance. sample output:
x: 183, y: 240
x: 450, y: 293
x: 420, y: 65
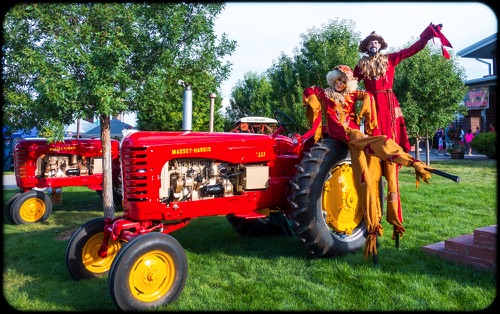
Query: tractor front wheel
x: 325, y: 214
x: 150, y: 271
x: 30, y: 207
x: 82, y: 258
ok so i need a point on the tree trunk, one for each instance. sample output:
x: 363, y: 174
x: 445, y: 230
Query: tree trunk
x: 417, y: 152
x: 427, y: 149
x: 107, y: 177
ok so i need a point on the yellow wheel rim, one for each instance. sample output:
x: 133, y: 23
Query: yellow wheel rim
x: 91, y: 259
x: 340, y: 200
x: 152, y: 276
x: 32, y: 209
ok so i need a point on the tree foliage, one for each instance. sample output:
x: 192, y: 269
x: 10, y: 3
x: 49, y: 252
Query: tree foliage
x: 65, y: 61
x: 250, y: 97
x: 321, y: 49
x: 80, y: 60
x: 430, y: 90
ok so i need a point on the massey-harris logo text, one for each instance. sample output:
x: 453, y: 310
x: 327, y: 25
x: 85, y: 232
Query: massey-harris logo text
x: 193, y: 150
x: 58, y: 148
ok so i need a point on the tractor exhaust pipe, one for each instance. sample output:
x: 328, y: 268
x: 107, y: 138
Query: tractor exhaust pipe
x: 187, y: 103
x: 212, y: 100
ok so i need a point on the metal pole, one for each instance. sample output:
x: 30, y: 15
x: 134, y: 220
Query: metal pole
x: 212, y: 100
x: 489, y: 65
x: 187, y: 102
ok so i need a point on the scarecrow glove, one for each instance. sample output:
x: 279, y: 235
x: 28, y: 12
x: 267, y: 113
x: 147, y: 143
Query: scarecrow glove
x: 429, y: 33
x: 421, y: 172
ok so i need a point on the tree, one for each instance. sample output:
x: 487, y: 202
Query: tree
x: 321, y: 49
x: 250, y: 97
x: 430, y: 89
x: 67, y: 61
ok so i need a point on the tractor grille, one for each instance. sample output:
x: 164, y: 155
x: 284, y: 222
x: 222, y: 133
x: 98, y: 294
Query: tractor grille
x: 135, y: 173
x: 20, y: 162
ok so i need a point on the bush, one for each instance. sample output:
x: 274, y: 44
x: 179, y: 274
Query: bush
x: 485, y: 143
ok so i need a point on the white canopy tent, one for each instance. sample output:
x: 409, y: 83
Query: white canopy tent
x: 71, y: 129
x: 116, y: 126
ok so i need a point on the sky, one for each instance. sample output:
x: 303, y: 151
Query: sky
x: 265, y: 30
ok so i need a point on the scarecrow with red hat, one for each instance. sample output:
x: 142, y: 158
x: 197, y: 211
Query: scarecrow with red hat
x: 377, y: 72
x: 342, y: 123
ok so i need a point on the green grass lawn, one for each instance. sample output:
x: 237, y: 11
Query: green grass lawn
x: 228, y: 272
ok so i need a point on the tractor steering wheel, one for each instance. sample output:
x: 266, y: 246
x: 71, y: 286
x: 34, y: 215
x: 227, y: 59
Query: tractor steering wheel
x: 286, y: 122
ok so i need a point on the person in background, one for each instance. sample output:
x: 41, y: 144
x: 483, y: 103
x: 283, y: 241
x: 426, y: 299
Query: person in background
x: 377, y: 71
x: 439, y: 133
x: 468, y: 139
x: 440, y: 146
x: 449, y: 134
x: 460, y: 134
x: 477, y: 131
x: 492, y: 128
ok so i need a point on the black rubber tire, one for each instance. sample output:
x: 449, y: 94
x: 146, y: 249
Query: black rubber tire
x: 255, y: 227
x: 30, y: 207
x: 7, y: 210
x: 82, y: 259
x: 150, y: 271
x: 117, y: 196
x: 307, y: 198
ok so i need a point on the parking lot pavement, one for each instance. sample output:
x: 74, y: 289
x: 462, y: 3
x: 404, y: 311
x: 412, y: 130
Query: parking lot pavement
x: 9, y: 181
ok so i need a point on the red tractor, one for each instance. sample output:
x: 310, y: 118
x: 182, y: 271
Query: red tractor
x: 40, y: 167
x: 260, y: 182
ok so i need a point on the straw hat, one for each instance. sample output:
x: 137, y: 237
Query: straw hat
x: 372, y: 36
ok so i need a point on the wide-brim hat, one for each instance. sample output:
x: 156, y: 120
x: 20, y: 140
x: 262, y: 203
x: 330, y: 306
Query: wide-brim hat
x: 372, y: 36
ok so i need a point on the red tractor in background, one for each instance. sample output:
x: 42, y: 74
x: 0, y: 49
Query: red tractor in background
x: 40, y: 167
x: 262, y: 183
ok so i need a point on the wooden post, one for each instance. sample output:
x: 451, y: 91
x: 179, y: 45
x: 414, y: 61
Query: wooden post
x: 56, y: 195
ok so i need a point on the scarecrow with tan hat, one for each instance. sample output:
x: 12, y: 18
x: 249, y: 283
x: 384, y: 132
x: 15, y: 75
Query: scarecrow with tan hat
x: 377, y: 72
x: 343, y: 124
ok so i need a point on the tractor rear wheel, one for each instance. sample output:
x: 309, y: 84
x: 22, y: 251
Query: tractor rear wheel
x: 30, y: 207
x: 151, y: 270
x: 82, y: 258
x: 325, y: 214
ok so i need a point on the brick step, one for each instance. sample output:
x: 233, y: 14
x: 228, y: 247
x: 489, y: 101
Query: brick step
x: 476, y: 249
x: 486, y: 236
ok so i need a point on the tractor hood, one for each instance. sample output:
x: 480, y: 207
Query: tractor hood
x: 231, y: 147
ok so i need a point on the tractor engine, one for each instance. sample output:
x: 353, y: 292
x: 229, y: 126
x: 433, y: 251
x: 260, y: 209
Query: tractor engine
x: 57, y: 166
x: 191, y: 180
x: 196, y: 179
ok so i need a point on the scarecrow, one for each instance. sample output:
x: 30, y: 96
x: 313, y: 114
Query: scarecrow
x: 367, y: 151
x: 376, y: 70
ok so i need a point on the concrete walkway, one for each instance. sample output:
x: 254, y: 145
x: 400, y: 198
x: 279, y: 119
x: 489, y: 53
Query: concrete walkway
x: 444, y: 158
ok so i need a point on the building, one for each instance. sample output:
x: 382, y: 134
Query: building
x: 481, y: 99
